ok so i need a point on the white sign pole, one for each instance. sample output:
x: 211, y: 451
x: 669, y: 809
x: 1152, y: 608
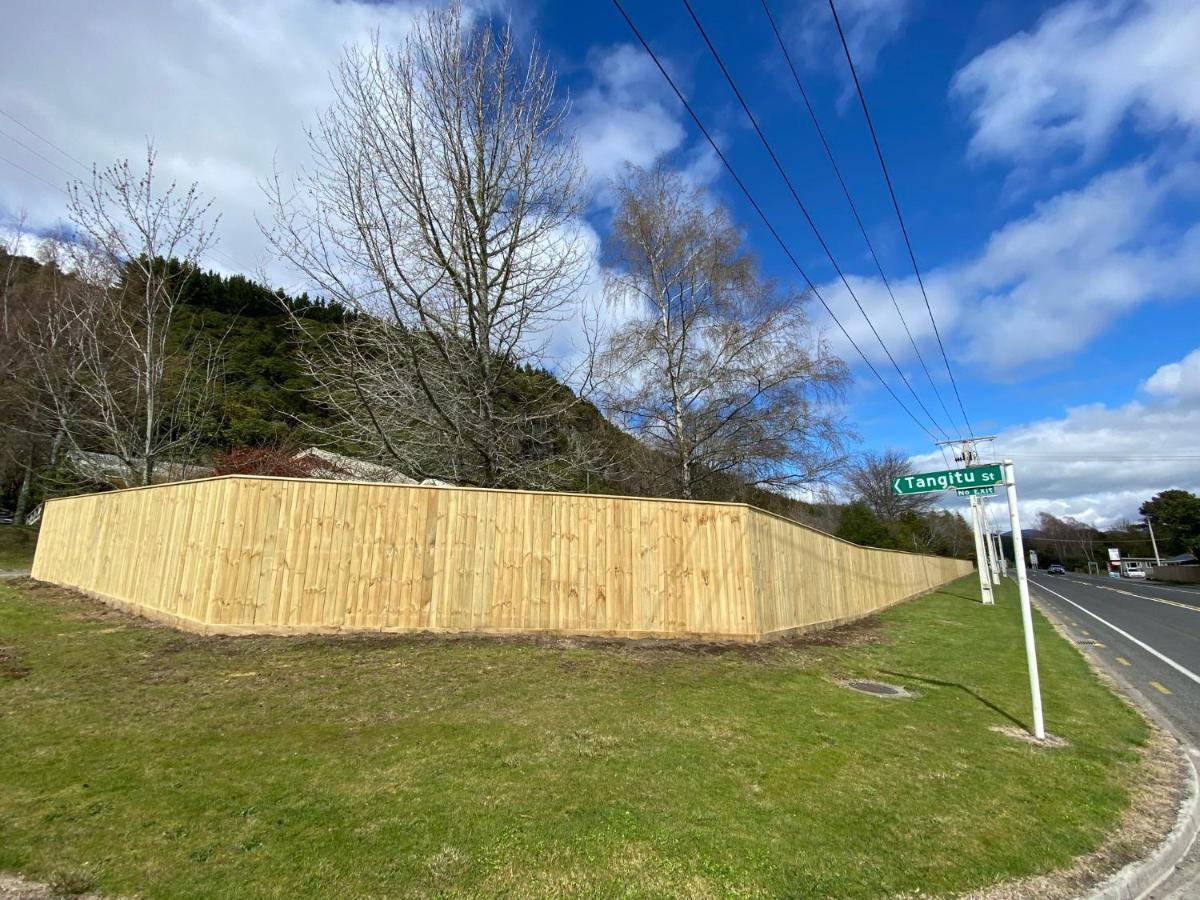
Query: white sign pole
x: 981, y: 563
x: 1001, y: 562
x: 1014, y: 518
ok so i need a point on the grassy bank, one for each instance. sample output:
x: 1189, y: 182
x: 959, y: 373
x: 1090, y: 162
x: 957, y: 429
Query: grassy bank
x: 17, y: 543
x: 139, y: 760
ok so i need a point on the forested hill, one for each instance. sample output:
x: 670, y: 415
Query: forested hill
x: 264, y: 398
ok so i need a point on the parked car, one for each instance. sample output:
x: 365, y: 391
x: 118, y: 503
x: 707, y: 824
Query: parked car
x: 1056, y: 569
x: 1135, y: 573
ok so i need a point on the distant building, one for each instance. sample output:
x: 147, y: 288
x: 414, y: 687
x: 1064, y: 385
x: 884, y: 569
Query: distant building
x: 107, y: 468
x: 339, y: 467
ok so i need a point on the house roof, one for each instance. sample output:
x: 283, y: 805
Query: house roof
x: 340, y: 467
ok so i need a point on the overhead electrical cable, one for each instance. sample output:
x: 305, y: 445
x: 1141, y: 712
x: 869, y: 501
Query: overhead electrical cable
x: 862, y: 99
x: 31, y: 174
x: 837, y: 171
x: 43, y: 158
x: 220, y: 255
x: 763, y: 216
x: 44, y: 140
x: 804, y: 209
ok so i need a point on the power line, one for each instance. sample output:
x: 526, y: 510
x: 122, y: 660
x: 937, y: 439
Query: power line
x: 1105, y: 538
x: 862, y: 99
x: 1103, y: 457
x: 221, y: 256
x: 837, y: 171
x: 762, y: 215
x: 32, y: 174
x: 44, y: 159
x: 803, y: 209
x: 44, y: 140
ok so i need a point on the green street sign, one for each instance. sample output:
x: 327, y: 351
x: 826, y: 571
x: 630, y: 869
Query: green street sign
x: 972, y: 492
x: 928, y: 482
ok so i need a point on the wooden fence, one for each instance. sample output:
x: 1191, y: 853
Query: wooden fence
x: 238, y: 554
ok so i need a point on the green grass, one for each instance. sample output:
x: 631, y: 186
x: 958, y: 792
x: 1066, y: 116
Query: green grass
x: 17, y: 543
x: 138, y: 760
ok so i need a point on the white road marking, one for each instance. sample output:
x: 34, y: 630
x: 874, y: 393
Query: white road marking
x: 1125, y: 634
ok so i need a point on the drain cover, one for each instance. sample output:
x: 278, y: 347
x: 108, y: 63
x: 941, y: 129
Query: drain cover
x: 877, y: 688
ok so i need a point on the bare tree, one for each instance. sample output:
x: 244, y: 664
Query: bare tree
x: 38, y: 361
x: 870, y: 477
x: 442, y: 208
x: 1068, y: 537
x: 717, y: 369
x: 132, y: 389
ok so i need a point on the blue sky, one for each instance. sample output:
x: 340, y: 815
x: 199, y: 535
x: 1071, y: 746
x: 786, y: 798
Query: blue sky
x: 1045, y: 156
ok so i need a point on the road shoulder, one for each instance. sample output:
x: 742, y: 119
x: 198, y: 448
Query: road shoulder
x: 1166, y: 810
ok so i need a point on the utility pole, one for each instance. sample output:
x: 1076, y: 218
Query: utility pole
x: 981, y: 561
x: 968, y: 455
x: 1014, y: 518
x: 989, y: 544
x: 1001, y: 562
x: 1153, y: 542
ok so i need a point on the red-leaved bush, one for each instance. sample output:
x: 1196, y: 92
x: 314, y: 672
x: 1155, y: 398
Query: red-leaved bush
x: 263, y: 461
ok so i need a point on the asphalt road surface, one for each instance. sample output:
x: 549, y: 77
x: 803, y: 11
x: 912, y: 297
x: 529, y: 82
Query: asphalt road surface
x: 1148, y: 634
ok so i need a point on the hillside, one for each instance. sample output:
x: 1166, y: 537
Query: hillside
x: 264, y: 398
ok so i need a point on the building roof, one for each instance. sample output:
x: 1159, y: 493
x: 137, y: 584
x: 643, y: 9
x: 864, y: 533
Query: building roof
x: 338, y: 466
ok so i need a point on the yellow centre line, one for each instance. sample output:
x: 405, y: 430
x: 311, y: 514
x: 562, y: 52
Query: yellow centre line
x: 1158, y: 687
x: 1104, y: 587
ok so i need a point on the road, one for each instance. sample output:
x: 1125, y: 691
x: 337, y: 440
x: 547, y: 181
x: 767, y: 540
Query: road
x: 1148, y: 634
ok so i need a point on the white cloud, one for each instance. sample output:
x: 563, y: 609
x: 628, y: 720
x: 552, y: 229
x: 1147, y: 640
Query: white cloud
x: 1179, y: 379
x: 226, y: 89
x: 1045, y: 285
x: 628, y: 115
x: 1087, y: 68
x: 1051, y: 282
x: 222, y: 86
x: 870, y: 25
x: 1097, y: 462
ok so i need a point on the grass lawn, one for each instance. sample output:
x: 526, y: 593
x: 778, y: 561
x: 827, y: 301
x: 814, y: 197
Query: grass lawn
x: 134, y: 759
x: 16, y: 547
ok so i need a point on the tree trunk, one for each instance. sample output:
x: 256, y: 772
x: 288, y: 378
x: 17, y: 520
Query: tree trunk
x: 23, y: 495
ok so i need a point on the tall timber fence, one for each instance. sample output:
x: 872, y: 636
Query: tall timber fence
x: 241, y: 554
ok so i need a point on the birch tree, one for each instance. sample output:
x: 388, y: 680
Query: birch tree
x: 717, y: 369
x: 442, y: 207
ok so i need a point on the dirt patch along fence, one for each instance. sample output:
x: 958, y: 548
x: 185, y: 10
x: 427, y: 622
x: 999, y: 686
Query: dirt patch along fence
x: 240, y: 554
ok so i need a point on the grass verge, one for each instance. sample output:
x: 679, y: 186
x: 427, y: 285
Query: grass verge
x: 17, y: 543
x: 166, y: 765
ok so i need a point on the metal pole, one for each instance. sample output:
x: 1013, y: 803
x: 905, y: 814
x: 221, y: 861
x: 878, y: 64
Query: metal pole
x: 1014, y: 518
x: 993, y: 565
x: 1153, y: 542
x: 1001, y: 562
x: 981, y: 563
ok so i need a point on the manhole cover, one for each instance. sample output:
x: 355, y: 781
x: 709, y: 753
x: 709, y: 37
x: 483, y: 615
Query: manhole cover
x: 878, y: 688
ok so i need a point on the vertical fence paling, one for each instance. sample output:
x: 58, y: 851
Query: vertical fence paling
x: 267, y: 555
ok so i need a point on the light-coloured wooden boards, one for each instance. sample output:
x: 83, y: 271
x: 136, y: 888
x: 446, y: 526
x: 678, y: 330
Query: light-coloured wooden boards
x: 237, y: 554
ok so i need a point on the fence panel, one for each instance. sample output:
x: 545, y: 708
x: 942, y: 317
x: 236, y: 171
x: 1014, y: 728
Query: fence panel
x: 239, y: 554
